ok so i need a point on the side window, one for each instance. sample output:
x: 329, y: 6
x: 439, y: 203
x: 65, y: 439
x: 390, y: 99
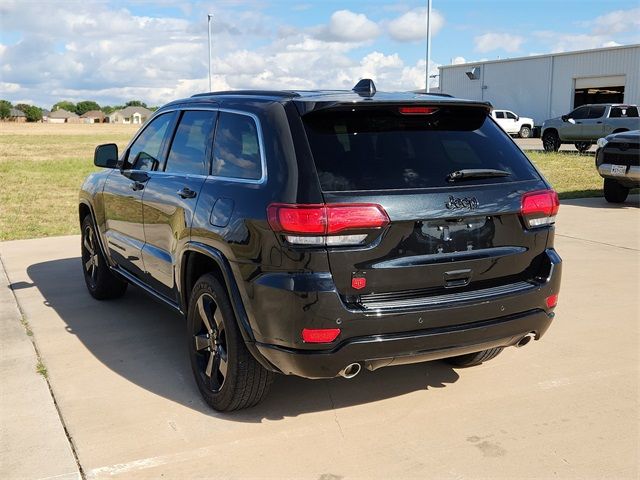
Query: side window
x: 632, y: 112
x: 596, y: 112
x: 510, y: 115
x: 499, y: 114
x: 236, y: 148
x: 579, y: 113
x: 145, y: 151
x: 192, y: 141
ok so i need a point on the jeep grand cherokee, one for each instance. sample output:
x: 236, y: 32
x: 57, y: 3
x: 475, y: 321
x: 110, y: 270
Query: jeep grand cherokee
x: 317, y: 233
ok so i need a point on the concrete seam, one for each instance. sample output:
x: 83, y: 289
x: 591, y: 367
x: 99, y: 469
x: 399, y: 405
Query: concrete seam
x: 599, y: 243
x: 46, y: 378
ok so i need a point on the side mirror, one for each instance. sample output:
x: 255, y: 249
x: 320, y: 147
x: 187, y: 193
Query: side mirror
x: 564, y: 118
x: 106, y: 156
x: 517, y: 118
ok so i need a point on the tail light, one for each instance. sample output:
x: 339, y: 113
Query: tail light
x: 552, y: 300
x: 417, y: 110
x: 539, y: 209
x: 322, y: 224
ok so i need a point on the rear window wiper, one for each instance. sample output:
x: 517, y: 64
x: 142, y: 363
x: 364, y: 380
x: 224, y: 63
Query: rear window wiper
x: 476, y: 173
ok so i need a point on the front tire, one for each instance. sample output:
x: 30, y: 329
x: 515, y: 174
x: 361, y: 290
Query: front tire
x: 582, y: 147
x: 525, y: 131
x: 101, y: 282
x: 227, y: 375
x: 614, y: 192
x: 473, y: 359
x: 551, y: 142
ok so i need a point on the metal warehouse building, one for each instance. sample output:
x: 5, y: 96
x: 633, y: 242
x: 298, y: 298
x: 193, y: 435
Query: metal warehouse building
x: 546, y: 86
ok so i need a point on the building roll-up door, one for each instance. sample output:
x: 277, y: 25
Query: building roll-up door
x: 605, y: 89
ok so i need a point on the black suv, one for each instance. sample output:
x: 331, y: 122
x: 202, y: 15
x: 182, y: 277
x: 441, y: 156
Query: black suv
x: 318, y: 233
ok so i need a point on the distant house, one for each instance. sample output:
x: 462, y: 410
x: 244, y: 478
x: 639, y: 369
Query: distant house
x: 16, y: 115
x: 135, y: 115
x: 62, y: 116
x: 93, y: 116
x: 45, y: 115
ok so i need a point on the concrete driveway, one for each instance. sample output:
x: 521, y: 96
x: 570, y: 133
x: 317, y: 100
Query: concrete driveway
x: 567, y: 406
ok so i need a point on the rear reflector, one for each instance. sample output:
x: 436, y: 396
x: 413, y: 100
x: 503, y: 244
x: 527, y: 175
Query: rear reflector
x: 539, y: 208
x: 552, y: 300
x: 417, y: 110
x: 318, y: 224
x: 320, y: 335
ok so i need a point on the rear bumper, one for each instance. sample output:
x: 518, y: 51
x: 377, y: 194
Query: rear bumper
x: 379, y: 338
x: 378, y: 351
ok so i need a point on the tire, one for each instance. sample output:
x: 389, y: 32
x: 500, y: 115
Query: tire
x: 473, y: 359
x: 614, y: 192
x: 582, y: 147
x: 101, y: 282
x: 525, y: 132
x: 227, y: 375
x: 551, y: 142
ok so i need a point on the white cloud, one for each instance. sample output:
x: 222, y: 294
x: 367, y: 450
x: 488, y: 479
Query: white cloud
x: 347, y: 26
x: 458, y: 60
x: 498, y: 41
x: 411, y: 26
x: 562, y: 42
x: 616, y: 22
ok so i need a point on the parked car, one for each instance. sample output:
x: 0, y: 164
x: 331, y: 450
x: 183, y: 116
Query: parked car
x: 513, y: 124
x: 587, y: 123
x: 618, y: 162
x: 320, y: 233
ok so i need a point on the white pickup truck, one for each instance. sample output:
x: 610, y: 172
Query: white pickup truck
x: 513, y: 124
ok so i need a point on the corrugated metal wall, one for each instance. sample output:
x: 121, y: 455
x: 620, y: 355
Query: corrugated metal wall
x: 542, y: 87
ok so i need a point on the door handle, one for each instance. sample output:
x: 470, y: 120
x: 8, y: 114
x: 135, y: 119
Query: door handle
x: 598, y: 122
x: 136, y: 186
x: 186, y: 192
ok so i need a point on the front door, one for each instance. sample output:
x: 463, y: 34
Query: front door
x: 171, y: 195
x: 593, y: 126
x: 123, y: 192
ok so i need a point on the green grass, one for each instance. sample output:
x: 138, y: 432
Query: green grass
x: 572, y: 175
x: 41, y: 369
x: 42, y: 167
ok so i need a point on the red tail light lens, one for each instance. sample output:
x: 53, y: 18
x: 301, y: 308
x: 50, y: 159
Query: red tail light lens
x: 552, y: 300
x: 539, y: 209
x: 417, y: 110
x: 324, y: 221
x: 320, y: 335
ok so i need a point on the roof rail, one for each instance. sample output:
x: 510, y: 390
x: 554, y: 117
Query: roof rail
x: 256, y: 93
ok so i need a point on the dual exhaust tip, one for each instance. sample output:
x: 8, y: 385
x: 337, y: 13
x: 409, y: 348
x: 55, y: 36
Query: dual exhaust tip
x: 354, y: 369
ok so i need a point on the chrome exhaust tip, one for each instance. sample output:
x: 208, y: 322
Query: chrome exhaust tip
x: 350, y: 370
x: 526, y: 339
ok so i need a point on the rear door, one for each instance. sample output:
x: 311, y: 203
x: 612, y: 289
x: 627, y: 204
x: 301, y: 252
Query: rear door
x: 444, y: 235
x: 170, y: 197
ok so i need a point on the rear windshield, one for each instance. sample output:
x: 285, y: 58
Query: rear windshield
x: 382, y: 149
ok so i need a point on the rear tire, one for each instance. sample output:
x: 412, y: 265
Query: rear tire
x: 101, y: 282
x: 525, y: 131
x: 551, y: 142
x: 473, y: 359
x: 614, y: 192
x: 227, y: 375
x: 582, y: 147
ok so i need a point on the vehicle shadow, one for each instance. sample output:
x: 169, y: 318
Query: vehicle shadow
x: 145, y: 342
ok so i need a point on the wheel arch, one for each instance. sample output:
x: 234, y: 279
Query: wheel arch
x: 620, y: 130
x: 85, y: 208
x: 196, y: 260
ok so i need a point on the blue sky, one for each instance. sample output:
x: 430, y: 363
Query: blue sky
x: 156, y: 51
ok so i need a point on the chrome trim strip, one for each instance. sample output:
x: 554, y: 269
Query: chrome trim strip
x: 456, y: 297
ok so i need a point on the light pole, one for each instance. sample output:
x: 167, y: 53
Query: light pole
x: 428, y: 43
x: 209, y: 17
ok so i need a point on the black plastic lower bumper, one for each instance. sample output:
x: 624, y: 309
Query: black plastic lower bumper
x: 377, y: 351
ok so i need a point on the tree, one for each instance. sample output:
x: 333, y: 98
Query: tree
x: 64, y: 105
x: 5, y: 108
x: 108, y: 109
x: 86, y: 106
x: 135, y: 103
x: 33, y: 113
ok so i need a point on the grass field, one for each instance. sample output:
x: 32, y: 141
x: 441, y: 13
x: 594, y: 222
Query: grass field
x: 42, y: 167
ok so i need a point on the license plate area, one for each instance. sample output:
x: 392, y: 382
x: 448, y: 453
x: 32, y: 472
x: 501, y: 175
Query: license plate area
x: 618, y: 170
x: 457, y: 235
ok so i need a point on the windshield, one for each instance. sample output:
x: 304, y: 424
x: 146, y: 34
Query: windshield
x: 382, y: 149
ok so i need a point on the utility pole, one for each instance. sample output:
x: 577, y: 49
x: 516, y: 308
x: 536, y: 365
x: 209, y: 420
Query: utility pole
x: 428, y: 43
x: 209, y: 17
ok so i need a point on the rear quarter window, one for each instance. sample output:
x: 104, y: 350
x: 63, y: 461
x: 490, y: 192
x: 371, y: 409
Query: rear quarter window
x: 381, y: 149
